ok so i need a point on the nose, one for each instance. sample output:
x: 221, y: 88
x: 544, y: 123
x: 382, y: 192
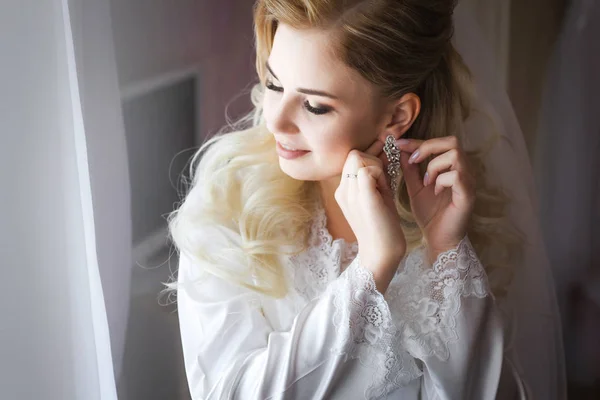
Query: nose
x: 281, y: 119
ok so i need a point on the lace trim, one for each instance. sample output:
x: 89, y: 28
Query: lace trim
x: 416, y: 318
x: 323, y: 239
x: 367, y: 332
x: 321, y: 263
x: 426, y: 301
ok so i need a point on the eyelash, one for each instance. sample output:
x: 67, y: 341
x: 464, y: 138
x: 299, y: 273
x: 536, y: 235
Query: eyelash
x: 314, y: 110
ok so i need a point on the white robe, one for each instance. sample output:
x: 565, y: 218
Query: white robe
x: 436, y: 334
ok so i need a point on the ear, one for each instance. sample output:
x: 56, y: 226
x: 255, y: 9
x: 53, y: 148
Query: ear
x: 403, y: 114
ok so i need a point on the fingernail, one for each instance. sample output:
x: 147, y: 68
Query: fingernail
x: 426, y: 179
x: 414, y: 156
x: 401, y: 142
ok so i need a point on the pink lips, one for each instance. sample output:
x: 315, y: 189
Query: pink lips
x: 290, y: 154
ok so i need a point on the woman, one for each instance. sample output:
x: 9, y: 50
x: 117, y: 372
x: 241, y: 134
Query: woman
x: 346, y: 244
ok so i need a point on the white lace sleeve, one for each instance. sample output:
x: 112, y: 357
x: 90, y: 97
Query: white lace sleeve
x: 231, y: 351
x: 446, y: 317
x: 367, y: 332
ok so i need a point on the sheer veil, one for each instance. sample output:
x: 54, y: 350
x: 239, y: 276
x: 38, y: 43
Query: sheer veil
x: 534, y: 335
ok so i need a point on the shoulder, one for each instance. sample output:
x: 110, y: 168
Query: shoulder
x: 210, y: 245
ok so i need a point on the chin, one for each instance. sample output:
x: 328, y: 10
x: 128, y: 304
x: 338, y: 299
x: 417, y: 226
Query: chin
x: 302, y: 172
x: 299, y: 171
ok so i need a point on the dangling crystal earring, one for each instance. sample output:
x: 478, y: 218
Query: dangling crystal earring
x: 392, y: 152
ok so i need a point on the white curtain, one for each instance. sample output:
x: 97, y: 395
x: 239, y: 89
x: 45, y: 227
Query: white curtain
x: 568, y: 176
x: 535, y: 325
x: 107, y: 160
x: 64, y: 202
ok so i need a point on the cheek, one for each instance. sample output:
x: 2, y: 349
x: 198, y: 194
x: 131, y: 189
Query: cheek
x: 343, y: 136
x: 325, y: 137
x: 331, y: 144
x: 268, y: 105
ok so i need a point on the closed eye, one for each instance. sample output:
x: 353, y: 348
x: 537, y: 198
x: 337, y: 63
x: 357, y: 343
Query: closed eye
x: 315, y: 110
x: 272, y: 87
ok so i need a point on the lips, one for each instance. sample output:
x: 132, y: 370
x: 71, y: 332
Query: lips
x: 290, y: 147
x: 290, y: 154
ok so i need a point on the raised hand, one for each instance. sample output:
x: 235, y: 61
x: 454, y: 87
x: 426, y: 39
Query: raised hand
x: 366, y: 200
x: 443, y: 200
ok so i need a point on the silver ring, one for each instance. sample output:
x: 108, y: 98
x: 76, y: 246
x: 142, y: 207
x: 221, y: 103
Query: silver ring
x: 353, y: 176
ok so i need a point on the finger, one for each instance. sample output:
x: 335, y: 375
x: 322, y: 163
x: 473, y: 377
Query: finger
x: 462, y: 192
x: 369, y: 160
x: 434, y: 147
x: 354, y: 161
x: 450, y: 160
x: 380, y: 178
x: 408, y: 145
x: 372, y: 182
x: 348, y: 183
x: 412, y: 175
x: 367, y: 184
x: 364, y: 159
x: 384, y: 160
x: 383, y: 186
x: 375, y: 148
x: 368, y: 178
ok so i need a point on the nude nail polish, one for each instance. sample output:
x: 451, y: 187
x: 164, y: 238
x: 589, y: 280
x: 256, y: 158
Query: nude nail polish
x: 414, y: 156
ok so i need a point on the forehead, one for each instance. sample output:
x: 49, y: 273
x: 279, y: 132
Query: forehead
x: 306, y: 58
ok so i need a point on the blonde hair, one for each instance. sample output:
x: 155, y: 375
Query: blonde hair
x: 400, y: 47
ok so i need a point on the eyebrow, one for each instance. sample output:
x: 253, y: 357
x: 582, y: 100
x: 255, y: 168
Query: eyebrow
x: 306, y: 91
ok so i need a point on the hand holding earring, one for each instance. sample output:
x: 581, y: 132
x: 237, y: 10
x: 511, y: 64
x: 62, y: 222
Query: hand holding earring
x: 366, y: 200
x: 442, y: 202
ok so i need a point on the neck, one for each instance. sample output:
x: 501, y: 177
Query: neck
x: 337, y: 225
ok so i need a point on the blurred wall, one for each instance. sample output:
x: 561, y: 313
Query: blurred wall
x: 180, y: 63
x: 534, y: 25
x: 154, y: 38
